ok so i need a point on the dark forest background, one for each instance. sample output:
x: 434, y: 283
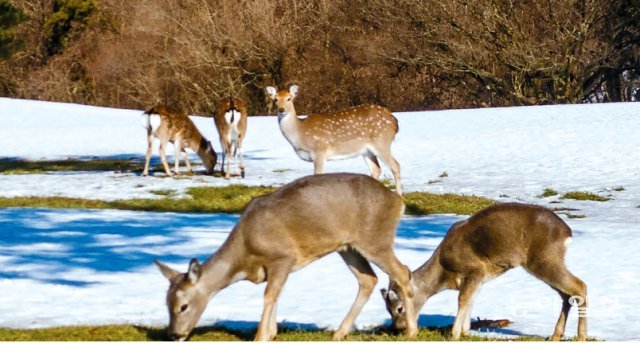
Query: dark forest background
x: 403, y: 54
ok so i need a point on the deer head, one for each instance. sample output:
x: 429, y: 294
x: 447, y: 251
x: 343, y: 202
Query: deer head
x: 283, y: 99
x: 186, y: 299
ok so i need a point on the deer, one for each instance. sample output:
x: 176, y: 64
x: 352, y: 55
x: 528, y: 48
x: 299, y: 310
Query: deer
x: 366, y: 130
x: 175, y: 127
x: 277, y: 234
x: 483, y: 247
x: 230, y: 118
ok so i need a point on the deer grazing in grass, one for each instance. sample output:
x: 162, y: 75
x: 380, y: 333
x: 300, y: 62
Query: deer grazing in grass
x: 366, y: 130
x: 483, y: 247
x: 170, y: 126
x: 230, y: 118
x: 277, y: 234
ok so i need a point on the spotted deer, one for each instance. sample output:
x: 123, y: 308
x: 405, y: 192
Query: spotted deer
x: 177, y: 128
x: 366, y: 130
x: 230, y: 118
x: 483, y: 247
x: 277, y: 234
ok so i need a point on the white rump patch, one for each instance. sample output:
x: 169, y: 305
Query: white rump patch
x: 236, y: 117
x: 567, y: 241
x: 154, y: 122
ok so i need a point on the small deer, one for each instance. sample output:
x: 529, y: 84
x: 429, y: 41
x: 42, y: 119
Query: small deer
x: 230, y: 118
x: 169, y: 126
x: 366, y: 130
x: 277, y: 234
x: 483, y: 247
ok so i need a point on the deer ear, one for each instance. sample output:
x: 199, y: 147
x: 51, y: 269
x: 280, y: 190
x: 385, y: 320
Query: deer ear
x: 293, y: 90
x: 195, y: 270
x: 166, y: 270
x: 392, y: 295
x: 271, y: 92
x: 384, y: 293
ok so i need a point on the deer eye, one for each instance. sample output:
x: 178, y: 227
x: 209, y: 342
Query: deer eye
x: 289, y: 99
x: 184, y: 307
x: 400, y: 309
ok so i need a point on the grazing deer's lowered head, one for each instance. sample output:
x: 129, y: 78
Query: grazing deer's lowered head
x: 230, y: 118
x: 484, y: 246
x: 175, y: 127
x: 365, y: 130
x: 277, y: 234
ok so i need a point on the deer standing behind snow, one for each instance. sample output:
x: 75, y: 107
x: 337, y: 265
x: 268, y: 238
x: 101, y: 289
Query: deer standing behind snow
x: 177, y: 128
x: 230, y: 118
x: 484, y: 246
x: 365, y: 130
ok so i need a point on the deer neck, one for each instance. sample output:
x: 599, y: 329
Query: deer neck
x: 222, y: 269
x: 202, y: 145
x: 428, y: 280
x: 291, y: 127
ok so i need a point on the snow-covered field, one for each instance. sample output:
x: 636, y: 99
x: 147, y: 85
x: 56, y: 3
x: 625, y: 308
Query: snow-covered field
x: 67, y: 267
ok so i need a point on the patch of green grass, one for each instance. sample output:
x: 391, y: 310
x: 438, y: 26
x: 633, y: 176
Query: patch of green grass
x: 229, y: 199
x: 588, y: 196
x: 53, y: 202
x: 421, y: 203
x: 234, y: 198
x: 163, y: 192
x: 212, y: 333
x: 13, y: 166
x: 548, y: 192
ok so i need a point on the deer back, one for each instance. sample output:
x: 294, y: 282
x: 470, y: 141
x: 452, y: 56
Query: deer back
x: 502, y: 237
x: 318, y: 214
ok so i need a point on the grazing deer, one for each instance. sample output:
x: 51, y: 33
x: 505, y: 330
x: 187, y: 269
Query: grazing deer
x: 177, y: 128
x: 230, y: 118
x: 366, y: 130
x: 483, y: 247
x: 351, y: 214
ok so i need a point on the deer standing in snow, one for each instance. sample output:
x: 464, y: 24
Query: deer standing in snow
x: 169, y: 126
x: 277, y: 234
x: 230, y: 118
x: 366, y: 130
x: 483, y: 247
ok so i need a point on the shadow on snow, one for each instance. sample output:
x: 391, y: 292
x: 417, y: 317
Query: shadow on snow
x: 52, y: 245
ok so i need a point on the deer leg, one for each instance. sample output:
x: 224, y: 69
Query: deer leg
x: 570, y: 288
x: 277, y: 276
x: 163, y: 157
x: 468, y: 291
x: 148, y: 155
x: 387, y: 158
x: 318, y: 163
x: 176, y: 155
x: 366, y: 280
x: 372, y: 162
x: 228, y: 151
x: 399, y: 273
x: 239, y: 147
x: 466, y: 324
x: 186, y: 160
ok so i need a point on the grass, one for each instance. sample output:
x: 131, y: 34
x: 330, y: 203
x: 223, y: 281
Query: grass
x: 212, y: 333
x: 548, y: 192
x: 421, y: 203
x: 234, y: 198
x: 587, y: 196
x: 13, y: 166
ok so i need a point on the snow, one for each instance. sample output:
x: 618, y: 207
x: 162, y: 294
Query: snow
x: 74, y: 267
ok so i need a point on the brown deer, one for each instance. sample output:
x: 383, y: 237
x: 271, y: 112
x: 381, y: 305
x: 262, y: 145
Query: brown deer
x: 277, y: 234
x: 366, y: 130
x: 483, y: 247
x: 230, y: 118
x: 175, y: 127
